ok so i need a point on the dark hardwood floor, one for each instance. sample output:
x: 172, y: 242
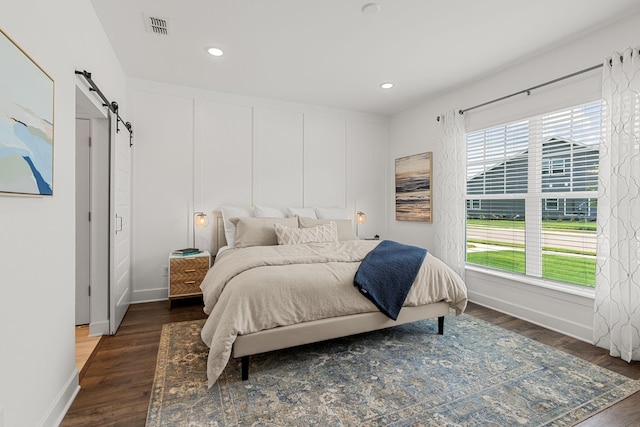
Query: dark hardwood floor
x: 116, y: 384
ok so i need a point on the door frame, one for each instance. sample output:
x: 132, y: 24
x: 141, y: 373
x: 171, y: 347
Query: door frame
x: 87, y: 108
x: 83, y: 221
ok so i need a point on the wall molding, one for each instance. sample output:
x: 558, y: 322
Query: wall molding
x: 61, y: 404
x: 149, y: 295
x: 242, y: 151
x: 99, y: 328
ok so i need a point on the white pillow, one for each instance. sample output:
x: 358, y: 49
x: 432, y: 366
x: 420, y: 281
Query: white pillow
x: 229, y: 212
x: 295, y: 236
x: 302, y: 212
x: 265, y: 212
x: 332, y: 213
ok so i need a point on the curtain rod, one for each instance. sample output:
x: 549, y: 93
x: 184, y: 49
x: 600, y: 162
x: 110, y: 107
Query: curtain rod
x: 112, y: 106
x: 528, y: 90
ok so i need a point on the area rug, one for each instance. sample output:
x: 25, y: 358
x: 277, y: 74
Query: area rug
x: 476, y: 374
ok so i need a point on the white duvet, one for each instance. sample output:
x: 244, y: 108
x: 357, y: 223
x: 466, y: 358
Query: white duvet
x: 263, y: 287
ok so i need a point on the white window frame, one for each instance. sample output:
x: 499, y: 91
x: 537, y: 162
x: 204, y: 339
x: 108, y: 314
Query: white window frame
x: 548, y: 166
x: 546, y: 204
x: 474, y: 204
x: 533, y: 201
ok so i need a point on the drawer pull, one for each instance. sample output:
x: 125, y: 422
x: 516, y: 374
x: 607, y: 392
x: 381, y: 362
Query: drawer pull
x: 190, y: 282
x: 190, y: 271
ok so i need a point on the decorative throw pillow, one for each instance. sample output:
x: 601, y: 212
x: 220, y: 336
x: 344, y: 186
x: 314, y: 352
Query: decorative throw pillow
x: 258, y: 231
x: 345, y: 226
x: 301, y: 212
x: 295, y: 236
x: 229, y: 212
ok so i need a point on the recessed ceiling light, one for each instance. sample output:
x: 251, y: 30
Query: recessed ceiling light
x: 370, y: 8
x: 214, y: 51
x: 386, y: 85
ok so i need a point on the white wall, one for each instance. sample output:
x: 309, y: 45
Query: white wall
x: 37, y: 235
x: 415, y: 130
x: 197, y: 150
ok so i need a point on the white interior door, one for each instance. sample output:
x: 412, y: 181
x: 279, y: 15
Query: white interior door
x: 83, y: 226
x: 120, y: 229
x: 91, y: 116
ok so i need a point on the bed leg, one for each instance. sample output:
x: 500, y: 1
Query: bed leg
x: 245, y: 368
x: 441, y: 325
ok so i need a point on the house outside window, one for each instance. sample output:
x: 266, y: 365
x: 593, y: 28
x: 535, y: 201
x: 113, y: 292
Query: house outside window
x: 532, y: 195
x: 474, y: 204
x: 553, y: 166
x: 551, y: 204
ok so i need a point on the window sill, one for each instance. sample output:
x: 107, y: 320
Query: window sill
x: 542, y: 283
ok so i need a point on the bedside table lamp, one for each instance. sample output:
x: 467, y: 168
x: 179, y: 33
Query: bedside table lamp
x: 200, y: 220
x: 361, y: 218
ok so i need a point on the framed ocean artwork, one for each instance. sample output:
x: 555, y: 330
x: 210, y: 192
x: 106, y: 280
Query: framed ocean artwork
x: 413, y: 188
x: 26, y: 124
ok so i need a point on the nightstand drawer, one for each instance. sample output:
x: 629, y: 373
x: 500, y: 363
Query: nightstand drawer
x: 186, y: 275
x: 189, y: 266
x: 186, y: 287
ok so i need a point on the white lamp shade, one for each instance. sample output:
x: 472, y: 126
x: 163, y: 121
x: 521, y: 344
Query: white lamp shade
x: 361, y: 218
x: 201, y: 219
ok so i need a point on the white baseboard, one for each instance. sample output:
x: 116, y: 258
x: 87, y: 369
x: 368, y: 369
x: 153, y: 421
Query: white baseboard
x: 571, y: 315
x: 97, y: 329
x: 545, y: 320
x: 149, y: 295
x: 58, y: 409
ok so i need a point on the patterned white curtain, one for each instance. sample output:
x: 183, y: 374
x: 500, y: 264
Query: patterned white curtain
x: 616, y: 324
x: 449, y: 189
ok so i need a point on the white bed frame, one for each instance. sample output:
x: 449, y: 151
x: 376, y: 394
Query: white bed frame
x: 319, y: 330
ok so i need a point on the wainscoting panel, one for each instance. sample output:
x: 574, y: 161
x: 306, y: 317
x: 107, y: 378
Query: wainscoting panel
x: 367, y: 151
x: 211, y: 149
x: 162, y: 184
x: 325, y: 161
x: 277, y: 158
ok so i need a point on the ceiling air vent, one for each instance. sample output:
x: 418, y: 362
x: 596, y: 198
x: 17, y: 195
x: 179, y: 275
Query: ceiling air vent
x: 156, y: 25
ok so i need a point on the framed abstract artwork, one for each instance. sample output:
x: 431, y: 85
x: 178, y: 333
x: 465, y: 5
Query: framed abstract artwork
x: 413, y: 188
x: 26, y: 124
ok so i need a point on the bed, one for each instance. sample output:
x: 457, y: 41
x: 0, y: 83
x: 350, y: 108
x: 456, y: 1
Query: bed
x: 262, y: 298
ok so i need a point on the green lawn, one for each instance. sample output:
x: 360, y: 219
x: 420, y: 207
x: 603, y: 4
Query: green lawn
x: 520, y: 245
x: 569, y: 269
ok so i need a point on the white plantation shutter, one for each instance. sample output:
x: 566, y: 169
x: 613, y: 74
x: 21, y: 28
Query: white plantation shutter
x: 532, y: 195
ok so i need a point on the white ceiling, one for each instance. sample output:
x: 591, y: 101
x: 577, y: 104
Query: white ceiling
x: 328, y: 53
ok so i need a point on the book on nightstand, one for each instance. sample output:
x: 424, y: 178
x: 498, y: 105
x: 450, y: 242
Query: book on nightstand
x: 186, y: 251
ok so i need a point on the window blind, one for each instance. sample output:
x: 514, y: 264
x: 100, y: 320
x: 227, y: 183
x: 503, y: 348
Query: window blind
x: 575, y: 91
x: 532, y: 195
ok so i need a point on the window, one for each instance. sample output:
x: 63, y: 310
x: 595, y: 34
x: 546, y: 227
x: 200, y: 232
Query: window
x: 532, y: 195
x: 474, y: 204
x: 553, y: 166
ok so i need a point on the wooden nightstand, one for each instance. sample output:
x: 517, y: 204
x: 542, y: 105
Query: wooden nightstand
x: 186, y: 274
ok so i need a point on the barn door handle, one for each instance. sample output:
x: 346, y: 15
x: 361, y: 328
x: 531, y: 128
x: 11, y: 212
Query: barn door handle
x: 118, y: 224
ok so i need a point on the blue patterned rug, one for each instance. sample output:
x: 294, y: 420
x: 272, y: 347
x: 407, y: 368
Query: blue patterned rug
x: 476, y: 374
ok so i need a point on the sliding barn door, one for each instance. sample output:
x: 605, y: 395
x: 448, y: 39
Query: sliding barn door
x: 120, y: 225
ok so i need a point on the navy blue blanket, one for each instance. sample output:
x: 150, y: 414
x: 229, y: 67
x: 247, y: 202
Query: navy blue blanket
x: 387, y: 273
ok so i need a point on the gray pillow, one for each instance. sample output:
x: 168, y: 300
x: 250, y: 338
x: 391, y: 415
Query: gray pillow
x: 258, y: 231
